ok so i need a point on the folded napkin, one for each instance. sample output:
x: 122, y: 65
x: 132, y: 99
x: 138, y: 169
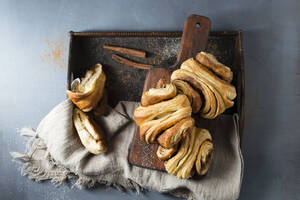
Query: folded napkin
x: 55, y: 153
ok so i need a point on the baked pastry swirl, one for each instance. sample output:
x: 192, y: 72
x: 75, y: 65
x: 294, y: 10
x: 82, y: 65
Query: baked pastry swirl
x: 193, y: 96
x: 156, y: 95
x: 212, y: 63
x: 172, y: 136
x: 201, y: 85
x: 90, y: 133
x: 89, y: 91
x: 195, y: 145
x: 164, y: 154
x: 218, y: 95
x: 144, y: 114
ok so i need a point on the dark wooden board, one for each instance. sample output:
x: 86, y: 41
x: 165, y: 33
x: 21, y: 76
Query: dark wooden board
x: 194, y: 39
x: 141, y: 153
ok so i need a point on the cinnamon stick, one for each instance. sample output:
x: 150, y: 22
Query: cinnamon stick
x: 130, y: 63
x: 123, y: 50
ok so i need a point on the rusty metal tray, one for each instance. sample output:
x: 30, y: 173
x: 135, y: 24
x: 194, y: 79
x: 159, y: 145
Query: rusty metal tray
x: 126, y: 83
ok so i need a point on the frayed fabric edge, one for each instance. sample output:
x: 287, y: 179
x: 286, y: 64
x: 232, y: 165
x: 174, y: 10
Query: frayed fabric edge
x: 34, y: 171
x: 37, y: 173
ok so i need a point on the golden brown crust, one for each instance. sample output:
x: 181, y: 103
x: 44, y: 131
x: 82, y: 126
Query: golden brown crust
x: 204, y: 157
x: 173, y: 135
x: 186, y: 169
x: 203, y: 73
x: 90, y: 133
x: 156, y: 95
x: 211, y: 99
x: 205, y: 152
x: 150, y: 129
x: 182, y: 163
x: 215, y: 101
x: 209, y: 107
x: 219, y: 102
x: 198, y: 142
x: 161, y: 83
x: 164, y: 154
x: 143, y: 114
x: 87, y: 94
x: 213, y: 64
x: 193, y: 95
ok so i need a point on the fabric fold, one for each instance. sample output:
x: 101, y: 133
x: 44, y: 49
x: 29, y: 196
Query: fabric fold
x: 55, y: 153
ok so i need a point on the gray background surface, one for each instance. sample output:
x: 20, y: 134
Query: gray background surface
x: 30, y: 87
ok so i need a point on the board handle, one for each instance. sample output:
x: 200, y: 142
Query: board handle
x: 194, y: 37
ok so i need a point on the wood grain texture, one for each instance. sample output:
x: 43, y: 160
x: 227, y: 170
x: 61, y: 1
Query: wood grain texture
x: 130, y: 63
x: 141, y: 153
x: 194, y: 37
x: 127, y: 51
x: 193, y: 40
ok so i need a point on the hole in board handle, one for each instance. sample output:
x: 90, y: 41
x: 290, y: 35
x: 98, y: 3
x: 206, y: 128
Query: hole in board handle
x: 198, y: 25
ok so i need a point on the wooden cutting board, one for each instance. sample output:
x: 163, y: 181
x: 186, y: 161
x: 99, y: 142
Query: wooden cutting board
x: 194, y: 39
x: 141, y: 153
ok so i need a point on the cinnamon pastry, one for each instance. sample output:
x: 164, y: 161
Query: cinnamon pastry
x: 143, y: 114
x: 90, y: 134
x: 205, y: 153
x: 164, y: 154
x: 213, y: 64
x: 215, y: 101
x: 149, y: 130
x: 161, y: 83
x: 174, y: 163
x: 89, y: 91
x: 183, y: 162
x: 202, y: 72
x: 156, y: 95
x: 193, y: 95
x: 173, y: 135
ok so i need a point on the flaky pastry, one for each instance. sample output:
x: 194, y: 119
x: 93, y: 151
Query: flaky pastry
x: 193, y: 96
x: 213, y: 64
x: 156, y: 95
x: 90, y: 134
x: 89, y: 91
x: 173, y: 135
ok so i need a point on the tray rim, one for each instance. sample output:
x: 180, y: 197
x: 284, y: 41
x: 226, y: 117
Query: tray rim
x: 238, y: 33
x: 147, y: 33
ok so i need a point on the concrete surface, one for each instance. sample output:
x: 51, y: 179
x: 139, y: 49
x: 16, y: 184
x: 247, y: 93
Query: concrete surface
x: 31, y: 85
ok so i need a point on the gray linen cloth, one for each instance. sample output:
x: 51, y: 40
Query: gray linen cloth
x: 55, y: 153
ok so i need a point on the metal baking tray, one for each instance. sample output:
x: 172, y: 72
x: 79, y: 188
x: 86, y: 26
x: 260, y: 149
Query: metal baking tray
x: 126, y: 83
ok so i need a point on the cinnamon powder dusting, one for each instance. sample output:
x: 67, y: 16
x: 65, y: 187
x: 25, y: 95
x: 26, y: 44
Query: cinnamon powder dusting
x: 55, y: 53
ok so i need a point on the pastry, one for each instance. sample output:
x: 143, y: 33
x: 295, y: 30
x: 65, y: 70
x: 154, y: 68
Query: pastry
x: 193, y: 95
x: 143, y: 114
x: 89, y: 91
x: 149, y: 130
x: 185, y: 171
x: 156, y: 95
x: 173, y: 135
x: 90, y: 134
x: 213, y: 64
x: 195, y: 144
x: 164, y: 154
x: 161, y: 83
x: 215, y: 101
x: 202, y: 72
x: 205, y: 153
x: 187, y: 152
